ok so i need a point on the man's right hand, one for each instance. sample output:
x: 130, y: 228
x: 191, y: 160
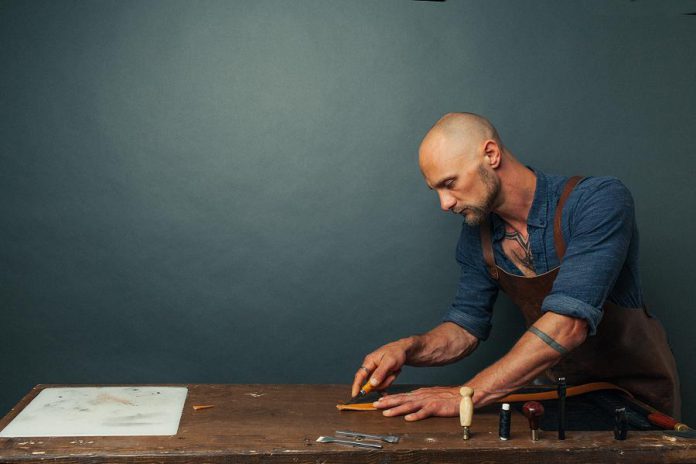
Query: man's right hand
x: 382, y: 366
x: 444, y: 344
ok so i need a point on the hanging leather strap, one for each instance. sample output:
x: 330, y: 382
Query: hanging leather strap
x: 558, y: 239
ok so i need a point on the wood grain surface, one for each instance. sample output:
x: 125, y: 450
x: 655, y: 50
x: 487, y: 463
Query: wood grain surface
x: 280, y: 423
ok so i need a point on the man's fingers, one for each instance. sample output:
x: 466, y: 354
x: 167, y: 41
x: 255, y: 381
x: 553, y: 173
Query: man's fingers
x: 422, y: 413
x: 402, y: 409
x: 414, y: 409
x: 362, y: 374
x: 359, y: 380
x: 421, y: 403
x: 380, y: 368
x: 386, y: 368
x: 389, y: 380
x: 390, y: 401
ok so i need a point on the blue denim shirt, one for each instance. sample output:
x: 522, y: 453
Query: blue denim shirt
x: 601, y: 260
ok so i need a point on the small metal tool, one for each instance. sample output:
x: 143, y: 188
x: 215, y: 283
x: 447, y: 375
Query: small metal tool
x: 355, y: 444
x: 360, y: 436
x: 504, y: 425
x: 620, y: 424
x: 561, y: 407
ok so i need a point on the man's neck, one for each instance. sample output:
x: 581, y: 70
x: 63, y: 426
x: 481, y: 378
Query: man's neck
x: 517, y: 188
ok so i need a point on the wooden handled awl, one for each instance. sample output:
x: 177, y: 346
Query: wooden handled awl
x: 466, y: 410
x: 533, y: 410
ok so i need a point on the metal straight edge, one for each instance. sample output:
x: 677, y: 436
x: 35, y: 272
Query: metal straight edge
x: 357, y: 444
x: 385, y: 438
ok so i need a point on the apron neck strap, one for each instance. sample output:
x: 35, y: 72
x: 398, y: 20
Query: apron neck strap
x: 558, y: 239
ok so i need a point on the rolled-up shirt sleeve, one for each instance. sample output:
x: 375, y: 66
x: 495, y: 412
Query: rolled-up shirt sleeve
x: 472, y: 307
x: 598, y: 233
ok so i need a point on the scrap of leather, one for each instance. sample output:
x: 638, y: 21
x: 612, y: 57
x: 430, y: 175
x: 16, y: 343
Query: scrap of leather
x: 356, y: 407
x: 365, y: 403
x: 521, y: 395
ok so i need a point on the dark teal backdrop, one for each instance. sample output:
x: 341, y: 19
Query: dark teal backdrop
x: 227, y: 191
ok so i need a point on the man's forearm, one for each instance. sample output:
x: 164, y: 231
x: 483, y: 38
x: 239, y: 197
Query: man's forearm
x: 444, y: 344
x: 535, y: 351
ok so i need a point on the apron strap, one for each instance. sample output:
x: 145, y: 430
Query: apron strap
x: 559, y: 241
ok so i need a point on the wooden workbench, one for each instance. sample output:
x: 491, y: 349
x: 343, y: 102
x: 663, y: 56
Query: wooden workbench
x: 280, y: 423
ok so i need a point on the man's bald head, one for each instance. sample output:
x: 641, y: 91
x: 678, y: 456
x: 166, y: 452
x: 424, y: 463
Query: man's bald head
x: 458, y: 157
x: 459, y: 134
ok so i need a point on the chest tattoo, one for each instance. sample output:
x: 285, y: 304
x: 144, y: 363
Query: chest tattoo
x: 520, y: 249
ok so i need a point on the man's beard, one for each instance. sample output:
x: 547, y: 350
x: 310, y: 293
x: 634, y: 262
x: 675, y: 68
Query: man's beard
x: 475, y: 215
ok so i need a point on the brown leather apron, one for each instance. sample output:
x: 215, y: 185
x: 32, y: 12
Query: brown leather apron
x: 630, y: 348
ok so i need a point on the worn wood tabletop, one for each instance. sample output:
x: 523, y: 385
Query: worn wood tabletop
x: 280, y: 423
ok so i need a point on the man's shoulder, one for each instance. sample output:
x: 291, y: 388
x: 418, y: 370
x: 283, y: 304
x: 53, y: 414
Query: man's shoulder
x: 602, y: 189
x: 599, y: 202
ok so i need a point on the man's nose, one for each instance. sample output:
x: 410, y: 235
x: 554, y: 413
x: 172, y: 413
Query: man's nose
x: 447, y: 201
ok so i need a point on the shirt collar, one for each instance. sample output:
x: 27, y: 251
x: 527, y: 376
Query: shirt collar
x: 537, y: 213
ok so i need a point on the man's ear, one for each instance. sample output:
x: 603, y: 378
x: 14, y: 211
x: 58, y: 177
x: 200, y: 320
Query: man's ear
x: 492, y: 153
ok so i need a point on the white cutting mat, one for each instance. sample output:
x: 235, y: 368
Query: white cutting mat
x: 100, y: 411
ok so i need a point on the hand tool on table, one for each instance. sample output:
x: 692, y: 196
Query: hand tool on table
x: 620, y: 424
x: 466, y: 410
x: 504, y: 425
x: 369, y: 436
x: 667, y: 422
x: 533, y: 410
x: 561, y: 407
x: 656, y: 417
x: 355, y: 444
x: 638, y: 414
x: 672, y: 427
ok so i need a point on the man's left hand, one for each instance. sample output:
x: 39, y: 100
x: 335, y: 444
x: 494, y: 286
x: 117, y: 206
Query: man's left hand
x: 422, y: 403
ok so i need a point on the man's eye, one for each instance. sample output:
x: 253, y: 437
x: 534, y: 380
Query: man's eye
x: 449, y: 183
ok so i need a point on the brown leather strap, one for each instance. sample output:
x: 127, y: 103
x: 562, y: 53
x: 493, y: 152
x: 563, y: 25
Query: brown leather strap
x: 557, y: 230
x: 553, y: 394
x: 487, y: 248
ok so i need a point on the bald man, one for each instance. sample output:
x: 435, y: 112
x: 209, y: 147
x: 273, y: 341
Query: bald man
x: 566, y: 252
